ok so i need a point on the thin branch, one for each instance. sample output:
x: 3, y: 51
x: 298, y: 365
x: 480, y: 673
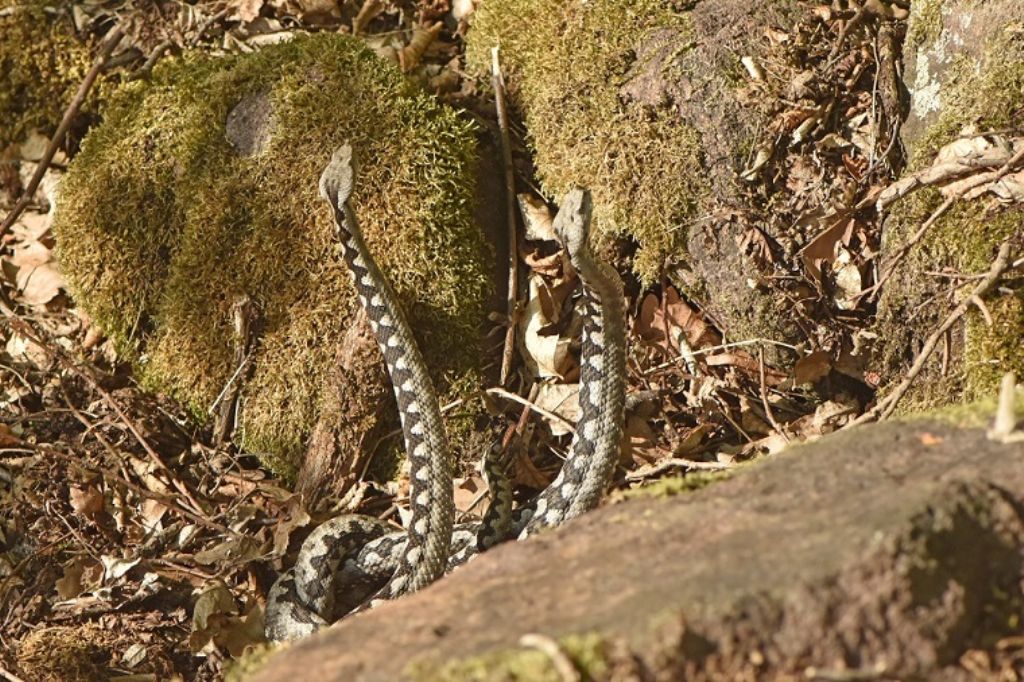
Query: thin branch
x: 109, y: 43
x: 563, y: 665
x: 677, y: 463
x: 887, y: 405
x: 989, y: 178
x: 512, y: 304
x: 536, y: 408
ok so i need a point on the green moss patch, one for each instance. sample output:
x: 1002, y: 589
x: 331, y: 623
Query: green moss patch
x: 201, y: 185
x: 586, y: 653
x: 566, y: 64
x: 964, y: 240
x: 42, y: 62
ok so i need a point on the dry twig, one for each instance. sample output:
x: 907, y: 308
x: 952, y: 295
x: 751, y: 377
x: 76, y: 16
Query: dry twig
x: 885, y: 407
x: 549, y: 647
x: 512, y: 307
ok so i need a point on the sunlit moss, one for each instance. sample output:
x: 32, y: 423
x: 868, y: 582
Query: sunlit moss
x: 162, y: 223
x: 566, y: 64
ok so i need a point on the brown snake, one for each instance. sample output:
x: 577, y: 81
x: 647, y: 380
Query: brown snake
x: 356, y: 555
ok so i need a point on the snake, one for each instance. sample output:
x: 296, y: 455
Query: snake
x: 352, y: 561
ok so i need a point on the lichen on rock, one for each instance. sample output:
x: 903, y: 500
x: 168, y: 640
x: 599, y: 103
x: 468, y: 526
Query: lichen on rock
x: 201, y: 185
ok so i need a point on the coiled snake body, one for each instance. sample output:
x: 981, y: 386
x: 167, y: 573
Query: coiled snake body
x: 360, y: 554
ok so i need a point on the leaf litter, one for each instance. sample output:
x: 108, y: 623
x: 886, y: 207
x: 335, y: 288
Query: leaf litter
x: 173, y: 562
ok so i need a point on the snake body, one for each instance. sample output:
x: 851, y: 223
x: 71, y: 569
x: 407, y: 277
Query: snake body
x: 352, y: 559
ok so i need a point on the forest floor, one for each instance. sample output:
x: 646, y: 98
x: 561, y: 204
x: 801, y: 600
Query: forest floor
x: 133, y: 547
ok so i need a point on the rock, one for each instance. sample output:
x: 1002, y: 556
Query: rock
x: 646, y: 104
x: 890, y: 550
x: 965, y: 74
x: 201, y: 184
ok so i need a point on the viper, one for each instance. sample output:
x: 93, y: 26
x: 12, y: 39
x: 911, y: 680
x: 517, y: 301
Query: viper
x: 361, y: 557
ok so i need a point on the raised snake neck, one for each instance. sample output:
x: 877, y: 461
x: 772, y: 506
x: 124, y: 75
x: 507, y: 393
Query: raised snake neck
x: 358, y: 552
x: 431, y: 498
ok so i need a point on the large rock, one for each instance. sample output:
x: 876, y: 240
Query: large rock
x: 201, y: 186
x: 641, y: 102
x: 965, y: 74
x: 889, y: 550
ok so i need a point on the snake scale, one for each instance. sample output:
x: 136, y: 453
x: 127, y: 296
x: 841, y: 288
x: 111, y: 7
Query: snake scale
x: 351, y: 559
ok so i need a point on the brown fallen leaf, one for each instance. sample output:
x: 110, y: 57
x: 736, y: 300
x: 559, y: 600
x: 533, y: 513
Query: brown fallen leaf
x: 811, y: 368
x: 87, y: 500
x: 678, y: 319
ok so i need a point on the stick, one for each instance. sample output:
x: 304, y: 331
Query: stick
x: 677, y: 463
x: 512, y: 305
x: 109, y: 43
x: 536, y: 408
x: 886, y: 406
x: 24, y: 328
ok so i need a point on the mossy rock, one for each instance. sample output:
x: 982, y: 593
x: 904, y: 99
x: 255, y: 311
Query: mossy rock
x: 646, y: 103
x: 965, y: 69
x: 42, y: 63
x: 201, y: 185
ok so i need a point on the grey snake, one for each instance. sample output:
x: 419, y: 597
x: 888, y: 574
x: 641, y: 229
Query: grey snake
x: 352, y: 560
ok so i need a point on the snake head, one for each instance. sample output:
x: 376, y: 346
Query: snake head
x: 339, y: 176
x: 573, y: 220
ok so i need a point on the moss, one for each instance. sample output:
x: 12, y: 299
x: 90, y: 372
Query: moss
x: 67, y: 654
x: 587, y: 653
x: 926, y: 22
x: 676, y: 485
x: 162, y: 223
x: 42, y: 62
x: 566, y: 63
x: 963, y: 240
x: 252, y: 661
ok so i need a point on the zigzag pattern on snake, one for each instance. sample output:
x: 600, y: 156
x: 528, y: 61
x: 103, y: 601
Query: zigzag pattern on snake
x: 361, y: 554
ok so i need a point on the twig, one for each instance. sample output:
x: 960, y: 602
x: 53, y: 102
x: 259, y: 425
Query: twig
x: 147, y: 67
x: 562, y: 663
x: 512, y: 304
x: 1005, y: 423
x: 145, y: 493
x: 24, y: 328
x: 9, y: 676
x: 109, y: 43
x: 536, y: 408
x: 764, y: 397
x: 990, y: 178
x: 885, y: 407
x: 676, y: 463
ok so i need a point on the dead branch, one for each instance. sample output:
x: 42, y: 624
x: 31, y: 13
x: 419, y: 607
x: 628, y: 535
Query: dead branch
x: 884, y: 408
x: 512, y: 302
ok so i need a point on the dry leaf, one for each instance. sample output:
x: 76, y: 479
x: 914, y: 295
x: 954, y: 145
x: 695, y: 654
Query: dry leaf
x: 244, y: 10
x: 678, y: 318
x: 811, y: 368
x: 563, y: 400
x: 87, y: 501
x: 837, y: 228
x: 546, y: 354
x: 70, y: 585
x: 469, y: 492
x: 537, y: 218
